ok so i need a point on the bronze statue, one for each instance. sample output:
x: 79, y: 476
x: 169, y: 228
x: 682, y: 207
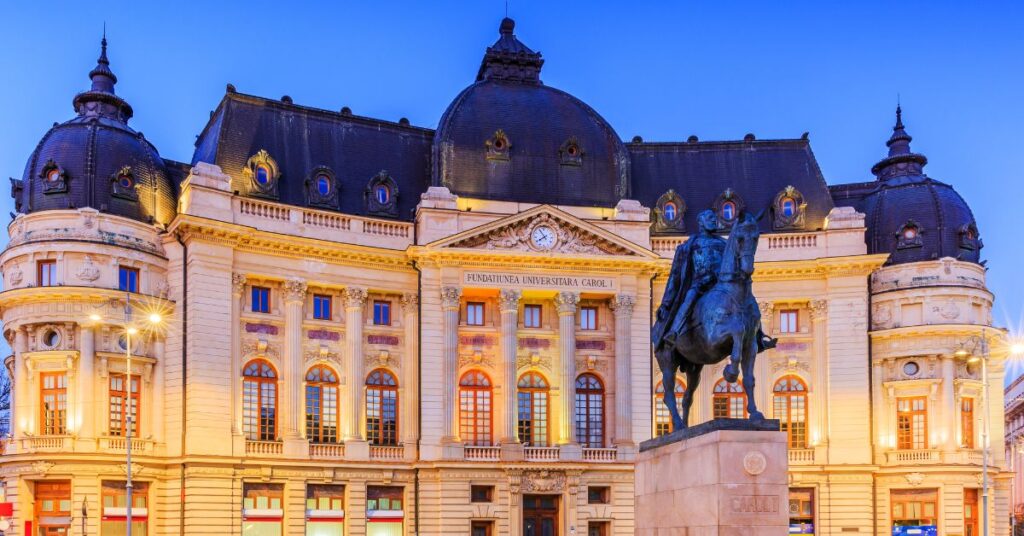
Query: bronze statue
x: 709, y: 312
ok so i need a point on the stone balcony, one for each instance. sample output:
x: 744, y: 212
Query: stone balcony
x: 801, y: 456
x: 546, y: 454
x: 935, y: 457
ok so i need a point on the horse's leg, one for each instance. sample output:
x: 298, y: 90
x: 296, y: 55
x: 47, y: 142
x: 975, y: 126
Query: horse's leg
x: 668, y: 381
x: 732, y: 370
x: 692, y: 381
x: 749, y: 356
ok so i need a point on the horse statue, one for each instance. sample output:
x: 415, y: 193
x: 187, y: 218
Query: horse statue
x: 725, y: 322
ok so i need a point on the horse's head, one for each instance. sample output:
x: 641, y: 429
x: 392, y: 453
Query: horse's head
x: 738, y: 258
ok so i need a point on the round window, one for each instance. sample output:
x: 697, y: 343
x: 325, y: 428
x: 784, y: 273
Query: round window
x: 499, y: 143
x: 323, y: 184
x: 670, y: 211
x: 728, y: 211
x: 911, y: 368
x: 262, y: 174
x: 53, y: 175
x: 383, y: 194
x: 573, y: 150
x: 51, y: 338
x: 788, y: 207
x: 125, y: 181
x: 910, y: 233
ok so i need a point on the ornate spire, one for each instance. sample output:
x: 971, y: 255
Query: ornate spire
x: 100, y: 100
x: 103, y: 78
x: 509, y: 59
x: 901, y: 160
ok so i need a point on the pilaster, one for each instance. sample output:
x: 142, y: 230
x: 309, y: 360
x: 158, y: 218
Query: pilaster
x: 355, y: 379
x: 508, y: 305
x: 451, y: 298
x: 622, y: 306
x: 238, y: 282
x: 410, y: 302
x: 294, y: 299
x: 566, y: 303
x: 86, y: 377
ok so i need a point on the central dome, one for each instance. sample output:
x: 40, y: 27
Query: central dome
x: 509, y: 137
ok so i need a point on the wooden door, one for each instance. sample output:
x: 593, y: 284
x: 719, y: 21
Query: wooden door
x: 540, y: 515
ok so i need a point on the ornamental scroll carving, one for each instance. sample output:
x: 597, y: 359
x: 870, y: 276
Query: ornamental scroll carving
x: 410, y: 301
x: 818, y: 309
x: 450, y: 297
x: 622, y: 304
x: 566, y: 302
x: 294, y: 290
x: 508, y: 299
x: 542, y: 481
x: 238, y: 284
x: 533, y: 360
x: 88, y: 271
x: 569, y: 239
x: 355, y: 297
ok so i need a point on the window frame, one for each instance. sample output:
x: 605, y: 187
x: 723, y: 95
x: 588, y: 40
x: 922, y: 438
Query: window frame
x: 319, y: 301
x: 789, y: 321
x: 382, y: 312
x: 536, y: 398
x: 906, y: 427
x: 259, y: 381
x: 789, y: 396
x: 262, y: 304
x: 384, y: 393
x: 909, y: 496
x: 591, y: 311
x: 538, y: 311
x: 133, y: 281
x: 475, y: 319
x: 135, y: 399
x: 590, y: 396
x: 53, y: 422
x: 729, y: 392
x: 322, y: 386
x: 471, y: 395
x: 967, y: 405
x: 46, y: 273
x: 662, y: 418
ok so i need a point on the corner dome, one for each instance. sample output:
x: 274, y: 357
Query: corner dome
x: 913, y: 217
x: 96, y: 160
x: 509, y: 137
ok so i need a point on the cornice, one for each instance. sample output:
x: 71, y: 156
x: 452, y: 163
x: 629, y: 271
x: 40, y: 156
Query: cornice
x: 787, y: 270
x: 30, y: 295
x: 934, y: 330
x: 526, y: 259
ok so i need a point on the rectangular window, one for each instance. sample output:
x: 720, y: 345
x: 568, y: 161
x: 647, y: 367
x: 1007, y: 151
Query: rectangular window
x: 325, y: 511
x: 53, y: 507
x: 262, y: 509
x: 912, y: 423
x: 260, y: 300
x: 54, y: 398
x: 321, y: 307
x: 474, y: 314
x: 914, y: 508
x: 127, y: 279
x: 967, y: 422
x: 118, y: 396
x: 384, y: 511
x: 483, y: 494
x: 115, y: 503
x: 46, y: 273
x: 801, y: 511
x: 588, y: 318
x: 382, y: 313
x: 482, y: 528
x: 531, y: 316
x: 598, y: 528
x: 788, y: 321
x: 599, y: 495
x: 971, y: 518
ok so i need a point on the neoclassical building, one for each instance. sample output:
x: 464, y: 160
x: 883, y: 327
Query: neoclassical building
x: 342, y: 325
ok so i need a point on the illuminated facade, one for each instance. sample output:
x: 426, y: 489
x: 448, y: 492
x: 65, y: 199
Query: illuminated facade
x: 369, y: 327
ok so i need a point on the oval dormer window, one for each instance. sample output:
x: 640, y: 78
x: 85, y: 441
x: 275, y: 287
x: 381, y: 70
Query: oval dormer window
x: 788, y: 207
x: 382, y: 193
x: 53, y: 175
x: 728, y: 211
x: 262, y: 174
x: 671, y: 211
x: 125, y: 181
x: 323, y: 184
x: 909, y: 233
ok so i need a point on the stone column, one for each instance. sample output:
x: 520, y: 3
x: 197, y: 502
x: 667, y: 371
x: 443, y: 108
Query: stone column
x: 451, y: 297
x: 949, y: 407
x: 622, y: 305
x: 22, y: 414
x: 566, y: 303
x: 508, y: 420
x: 159, y: 347
x: 410, y: 374
x: 86, y: 379
x: 355, y: 301
x: 818, y: 310
x: 238, y: 283
x: 294, y: 299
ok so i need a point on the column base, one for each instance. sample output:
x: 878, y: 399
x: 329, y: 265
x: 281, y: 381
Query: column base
x: 357, y: 450
x: 570, y: 452
x: 512, y: 452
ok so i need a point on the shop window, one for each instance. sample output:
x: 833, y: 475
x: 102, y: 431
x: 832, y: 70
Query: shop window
x: 967, y: 422
x: 589, y: 411
x: 474, y: 314
x: 481, y: 494
x: 321, y: 307
x: 599, y: 495
x: 801, y: 511
x: 381, y: 408
x: 790, y: 405
x: 912, y: 423
x: 54, y: 399
x: 123, y: 404
x: 972, y: 517
x: 588, y: 318
x: 531, y: 316
x: 321, y: 405
x: 662, y: 418
x: 728, y: 401
x: 53, y: 507
x: 914, y: 511
x: 381, y: 313
x: 789, y: 321
x: 115, y: 508
x: 262, y: 509
x: 481, y: 528
x: 384, y: 511
x: 532, y: 398
x: 127, y: 279
x: 475, y: 396
x: 46, y: 273
x: 259, y: 401
x: 325, y: 511
x: 260, y: 300
x: 598, y: 528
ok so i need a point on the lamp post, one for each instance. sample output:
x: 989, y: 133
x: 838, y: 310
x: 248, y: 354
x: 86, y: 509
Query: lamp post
x: 980, y: 343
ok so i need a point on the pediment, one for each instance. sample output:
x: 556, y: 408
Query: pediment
x: 543, y: 229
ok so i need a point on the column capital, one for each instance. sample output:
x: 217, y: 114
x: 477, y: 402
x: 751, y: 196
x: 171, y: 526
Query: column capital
x: 622, y: 304
x: 294, y: 290
x: 238, y: 282
x: 566, y: 302
x: 410, y: 301
x: 818, y: 309
x: 766, y: 307
x: 508, y: 299
x: 355, y: 297
x: 451, y: 297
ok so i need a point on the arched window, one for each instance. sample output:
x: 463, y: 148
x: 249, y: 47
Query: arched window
x: 262, y: 174
x: 589, y: 411
x: 728, y: 401
x: 321, y: 405
x: 381, y: 408
x: 323, y: 184
x: 670, y: 211
x: 475, y: 395
x: 662, y: 418
x: 383, y: 193
x: 533, y: 409
x: 788, y: 207
x: 790, y: 404
x: 728, y: 211
x: 259, y: 401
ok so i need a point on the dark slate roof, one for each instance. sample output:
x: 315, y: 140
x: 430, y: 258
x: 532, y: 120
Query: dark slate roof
x: 756, y: 170
x: 90, y: 150
x: 904, y: 195
x: 300, y: 139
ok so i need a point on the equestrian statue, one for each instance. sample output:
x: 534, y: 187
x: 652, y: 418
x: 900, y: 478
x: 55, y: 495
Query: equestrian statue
x: 709, y: 312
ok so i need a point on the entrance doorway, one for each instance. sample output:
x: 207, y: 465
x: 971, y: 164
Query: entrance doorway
x: 540, y: 515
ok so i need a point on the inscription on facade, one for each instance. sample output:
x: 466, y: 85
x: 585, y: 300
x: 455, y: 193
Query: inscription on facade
x: 754, y: 504
x: 539, y: 281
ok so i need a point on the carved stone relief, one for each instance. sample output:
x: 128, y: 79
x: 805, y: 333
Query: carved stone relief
x: 568, y: 238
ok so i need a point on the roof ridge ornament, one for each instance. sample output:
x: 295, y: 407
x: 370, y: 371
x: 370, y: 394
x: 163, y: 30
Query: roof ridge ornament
x: 509, y: 59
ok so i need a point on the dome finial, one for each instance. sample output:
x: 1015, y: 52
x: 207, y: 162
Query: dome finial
x: 100, y: 98
x: 103, y: 78
x: 507, y: 26
x: 901, y: 160
x: 509, y: 59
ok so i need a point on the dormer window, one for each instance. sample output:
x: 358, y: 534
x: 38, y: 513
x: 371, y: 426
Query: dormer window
x: 53, y: 175
x: 122, y: 184
x: 263, y: 174
x: 969, y: 237
x: 382, y: 196
x: 55, y: 179
x: 571, y: 153
x: 668, y: 213
x: 498, y: 146
x: 321, y: 188
x: 909, y: 236
x: 323, y: 185
x: 728, y: 211
x: 728, y: 207
x: 789, y: 209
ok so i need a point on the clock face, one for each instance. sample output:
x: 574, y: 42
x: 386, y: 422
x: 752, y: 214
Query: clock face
x: 543, y: 237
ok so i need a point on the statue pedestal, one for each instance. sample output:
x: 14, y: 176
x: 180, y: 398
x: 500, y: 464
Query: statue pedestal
x: 726, y: 477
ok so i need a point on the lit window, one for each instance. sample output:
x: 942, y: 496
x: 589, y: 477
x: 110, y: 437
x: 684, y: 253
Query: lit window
x: 262, y: 509
x: 259, y: 401
x: 912, y: 423
x: 788, y: 207
x: 46, y: 273
x: 53, y: 503
x: 788, y: 321
x: 325, y: 510
x: 909, y: 233
x: 791, y: 410
x: 590, y: 411
x: 801, y: 510
x: 260, y: 300
x: 382, y: 313
x: 115, y: 499
x: 914, y: 508
x: 381, y: 408
x: 728, y: 401
x: 321, y: 405
x: 662, y: 418
x: 54, y: 396
x: 382, y: 193
x: 53, y: 175
x: 531, y: 316
x: 321, y: 307
x: 532, y: 398
x: 475, y: 314
x: 670, y: 211
x: 967, y: 422
x: 262, y: 174
x: 323, y: 184
x: 119, y: 398
x: 127, y: 279
x: 588, y: 318
x: 475, y: 395
x: 728, y: 211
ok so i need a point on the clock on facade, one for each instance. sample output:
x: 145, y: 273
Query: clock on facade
x: 543, y: 237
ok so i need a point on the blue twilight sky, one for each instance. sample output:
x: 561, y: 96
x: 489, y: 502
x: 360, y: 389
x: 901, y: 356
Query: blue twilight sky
x: 660, y: 70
